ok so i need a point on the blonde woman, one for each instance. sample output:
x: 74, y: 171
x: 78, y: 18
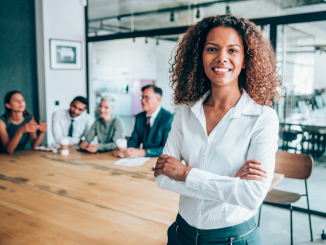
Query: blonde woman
x: 107, y: 128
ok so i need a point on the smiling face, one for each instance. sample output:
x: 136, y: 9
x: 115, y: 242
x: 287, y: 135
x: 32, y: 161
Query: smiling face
x: 105, y: 109
x: 223, y: 56
x: 76, y: 108
x: 17, y: 103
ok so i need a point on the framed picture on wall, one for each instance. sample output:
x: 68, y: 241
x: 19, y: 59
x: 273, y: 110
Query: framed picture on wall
x: 65, y: 55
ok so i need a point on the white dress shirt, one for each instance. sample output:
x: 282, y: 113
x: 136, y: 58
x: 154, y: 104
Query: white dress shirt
x: 61, y: 121
x: 153, y: 116
x: 211, y: 197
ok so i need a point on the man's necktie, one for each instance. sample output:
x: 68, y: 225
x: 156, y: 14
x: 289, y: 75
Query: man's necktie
x: 71, y: 128
x: 148, y: 126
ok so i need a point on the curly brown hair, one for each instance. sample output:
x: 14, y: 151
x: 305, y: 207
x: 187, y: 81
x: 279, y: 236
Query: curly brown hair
x: 259, y: 78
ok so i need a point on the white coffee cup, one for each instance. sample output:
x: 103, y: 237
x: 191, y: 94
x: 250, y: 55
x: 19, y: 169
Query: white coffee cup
x: 64, y: 149
x: 122, y: 145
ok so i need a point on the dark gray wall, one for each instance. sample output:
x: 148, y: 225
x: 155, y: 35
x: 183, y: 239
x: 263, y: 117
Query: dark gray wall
x: 18, y: 69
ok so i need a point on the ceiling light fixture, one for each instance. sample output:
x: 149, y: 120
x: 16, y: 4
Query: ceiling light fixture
x: 172, y: 16
x: 227, y: 9
x: 156, y: 41
x: 146, y: 40
x: 198, y: 13
x: 134, y: 39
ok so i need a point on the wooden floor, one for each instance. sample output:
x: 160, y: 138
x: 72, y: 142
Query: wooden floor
x: 46, y: 198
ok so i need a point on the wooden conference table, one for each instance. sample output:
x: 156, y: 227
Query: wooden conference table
x: 46, y: 198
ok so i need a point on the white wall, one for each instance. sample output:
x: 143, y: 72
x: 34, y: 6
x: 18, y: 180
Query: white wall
x: 163, y: 55
x: 58, y: 19
x: 320, y: 70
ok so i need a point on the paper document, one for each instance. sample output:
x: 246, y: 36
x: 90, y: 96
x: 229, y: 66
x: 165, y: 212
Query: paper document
x: 132, y: 161
x: 42, y: 148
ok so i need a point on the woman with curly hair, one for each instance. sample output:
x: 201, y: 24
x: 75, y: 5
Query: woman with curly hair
x: 225, y: 79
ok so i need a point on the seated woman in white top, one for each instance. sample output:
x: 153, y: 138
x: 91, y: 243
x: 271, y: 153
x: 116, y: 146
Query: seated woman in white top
x: 224, y: 79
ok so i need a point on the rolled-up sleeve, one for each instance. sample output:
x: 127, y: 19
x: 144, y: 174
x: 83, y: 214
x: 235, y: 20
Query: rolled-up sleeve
x: 89, y: 122
x: 91, y: 133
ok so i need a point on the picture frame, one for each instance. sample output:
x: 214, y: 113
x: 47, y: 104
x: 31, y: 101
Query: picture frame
x: 65, y: 54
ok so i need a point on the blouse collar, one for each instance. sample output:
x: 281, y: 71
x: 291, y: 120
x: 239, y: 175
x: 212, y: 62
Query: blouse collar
x: 245, y: 106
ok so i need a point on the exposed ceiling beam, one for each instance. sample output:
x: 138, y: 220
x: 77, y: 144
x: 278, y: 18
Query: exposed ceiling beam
x: 291, y: 19
x: 147, y: 33
x: 166, y: 10
x: 299, y: 3
x: 279, y: 20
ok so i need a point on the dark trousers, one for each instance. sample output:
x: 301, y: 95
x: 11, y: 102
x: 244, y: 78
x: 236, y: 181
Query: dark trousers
x: 181, y: 233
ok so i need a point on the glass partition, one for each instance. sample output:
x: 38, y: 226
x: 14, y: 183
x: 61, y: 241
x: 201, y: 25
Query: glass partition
x: 121, y: 67
x: 301, y: 58
x: 301, y: 53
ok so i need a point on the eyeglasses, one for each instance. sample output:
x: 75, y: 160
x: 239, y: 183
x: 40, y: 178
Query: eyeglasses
x: 145, y: 97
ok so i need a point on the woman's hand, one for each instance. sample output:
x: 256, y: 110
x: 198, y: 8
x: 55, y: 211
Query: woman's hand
x: 133, y: 152
x: 83, y: 145
x: 43, y: 127
x: 171, y: 167
x: 91, y: 148
x: 30, y: 127
x: 251, y: 170
x: 116, y: 153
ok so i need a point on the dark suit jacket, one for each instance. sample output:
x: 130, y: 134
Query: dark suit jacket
x: 158, y: 133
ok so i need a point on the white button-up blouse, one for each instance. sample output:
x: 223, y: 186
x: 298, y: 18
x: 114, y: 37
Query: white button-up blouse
x: 211, y: 197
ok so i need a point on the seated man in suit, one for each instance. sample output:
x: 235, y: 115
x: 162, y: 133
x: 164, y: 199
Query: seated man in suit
x: 152, y: 126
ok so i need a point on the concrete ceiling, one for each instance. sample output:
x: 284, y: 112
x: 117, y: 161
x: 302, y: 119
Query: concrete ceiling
x: 110, y: 9
x: 107, y: 8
